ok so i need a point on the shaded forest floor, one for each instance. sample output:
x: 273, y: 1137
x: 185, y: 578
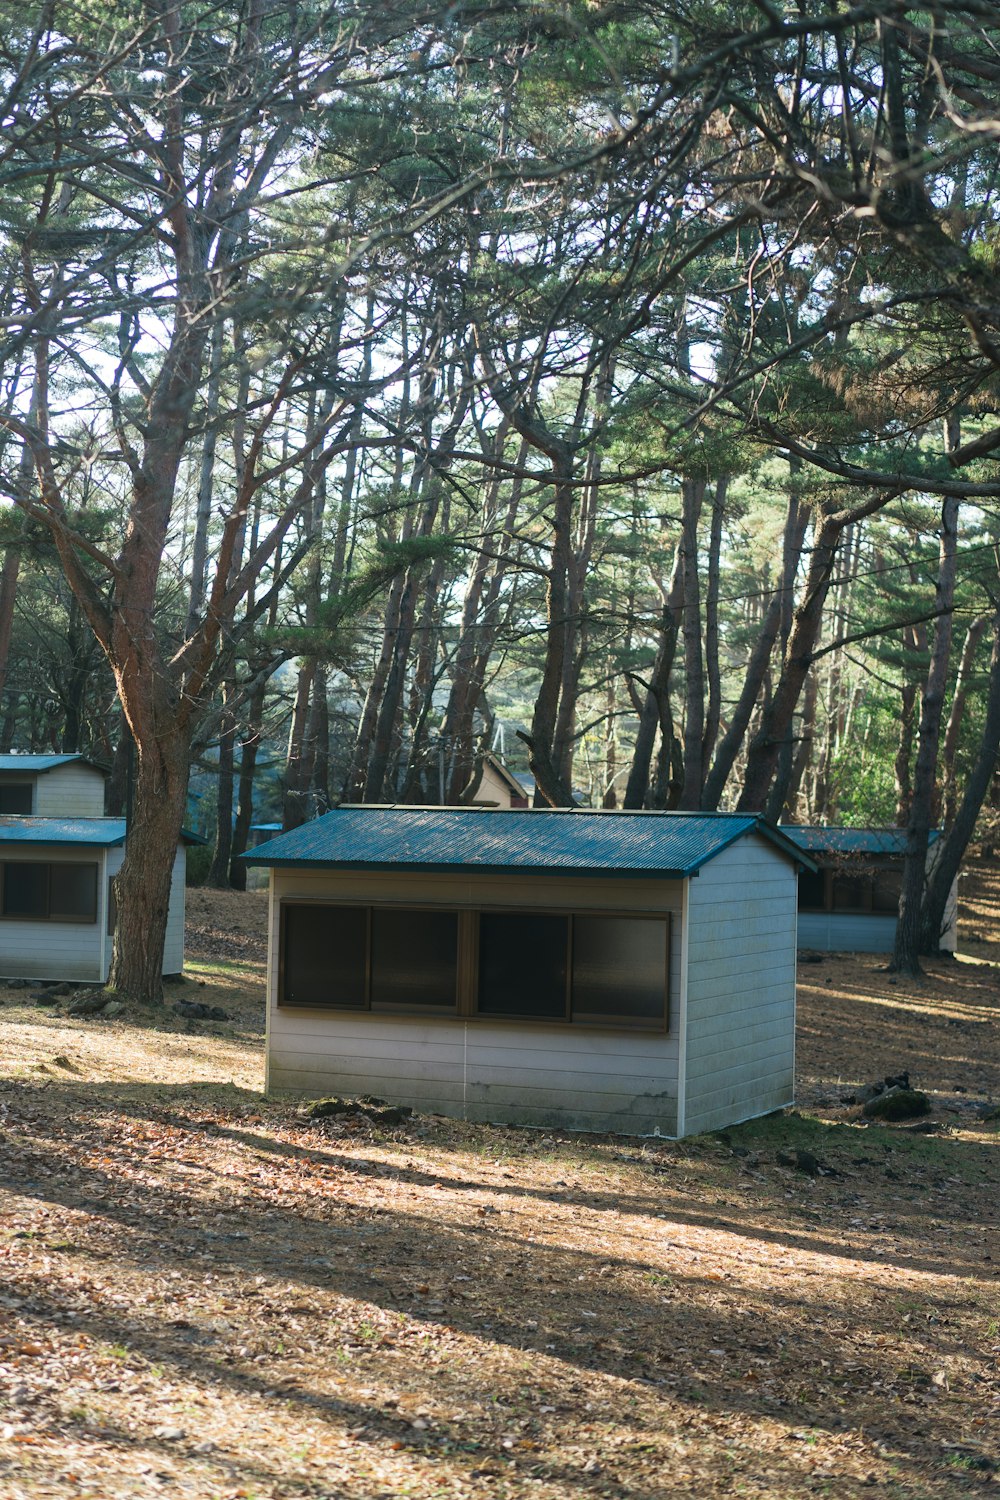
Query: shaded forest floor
x: 202, y: 1295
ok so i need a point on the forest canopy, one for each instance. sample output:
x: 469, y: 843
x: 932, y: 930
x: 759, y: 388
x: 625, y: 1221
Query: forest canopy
x: 611, y: 385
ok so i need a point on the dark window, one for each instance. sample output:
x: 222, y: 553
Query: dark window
x: 16, y: 798
x: 812, y: 890
x: 522, y: 965
x: 25, y: 890
x: 73, y: 893
x: 324, y: 952
x: 851, y: 893
x: 619, y: 969
x: 600, y: 970
x: 56, y: 892
x: 414, y: 958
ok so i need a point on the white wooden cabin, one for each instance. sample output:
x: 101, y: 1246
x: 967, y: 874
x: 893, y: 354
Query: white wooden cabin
x: 607, y: 971
x: 51, y: 786
x: 56, y: 905
x: 850, y: 903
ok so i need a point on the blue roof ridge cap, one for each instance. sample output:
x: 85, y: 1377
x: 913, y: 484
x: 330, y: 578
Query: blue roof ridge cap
x: 520, y: 812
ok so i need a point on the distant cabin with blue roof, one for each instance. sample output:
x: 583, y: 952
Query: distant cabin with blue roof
x: 609, y: 971
x: 51, y: 786
x: 850, y: 904
x: 58, y: 856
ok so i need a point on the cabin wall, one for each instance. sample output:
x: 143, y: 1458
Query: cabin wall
x: 866, y: 932
x: 71, y: 791
x: 173, y: 950
x: 846, y: 932
x: 739, y: 1055
x: 53, y: 950
x: 515, y: 1072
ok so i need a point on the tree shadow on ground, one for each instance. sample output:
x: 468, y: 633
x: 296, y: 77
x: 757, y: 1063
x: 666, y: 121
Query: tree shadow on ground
x: 428, y: 1252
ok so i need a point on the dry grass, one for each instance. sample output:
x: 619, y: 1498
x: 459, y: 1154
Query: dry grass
x: 201, y: 1295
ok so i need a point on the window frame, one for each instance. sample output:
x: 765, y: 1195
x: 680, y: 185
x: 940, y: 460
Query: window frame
x: 48, y: 915
x: 467, y: 965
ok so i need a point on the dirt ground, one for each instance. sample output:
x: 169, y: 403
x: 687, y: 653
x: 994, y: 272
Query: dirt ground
x: 202, y: 1294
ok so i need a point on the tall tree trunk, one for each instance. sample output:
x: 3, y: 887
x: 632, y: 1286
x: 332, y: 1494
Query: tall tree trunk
x: 762, y: 758
x: 11, y: 569
x: 249, y: 747
x: 206, y: 475
x: 793, y: 810
x: 222, y: 853
x: 319, y: 741
x: 713, y: 712
x: 142, y: 885
x: 906, y: 950
x: 551, y: 788
x: 692, y: 500
x: 294, y: 805
x: 651, y: 712
x: 609, y: 797
x: 966, y: 670
x: 903, y: 761
x: 796, y: 521
x: 478, y: 632
x: 950, y: 852
x: 387, y: 718
x: 8, y: 593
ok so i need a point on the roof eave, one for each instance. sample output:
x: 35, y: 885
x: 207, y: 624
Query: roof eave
x: 606, y: 872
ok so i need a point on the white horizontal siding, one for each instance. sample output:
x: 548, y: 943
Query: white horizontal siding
x: 556, y: 1090
x: 745, y: 960
x: 733, y: 1102
x: 53, y: 950
x: 567, y: 1077
x: 740, y: 1033
x: 73, y: 791
x: 703, y: 1054
x: 173, y: 948
x: 846, y: 932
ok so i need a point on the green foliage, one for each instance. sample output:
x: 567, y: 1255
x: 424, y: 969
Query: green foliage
x: 198, y: 860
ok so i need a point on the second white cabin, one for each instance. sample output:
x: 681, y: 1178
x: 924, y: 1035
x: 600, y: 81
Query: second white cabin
x: 604, y: 971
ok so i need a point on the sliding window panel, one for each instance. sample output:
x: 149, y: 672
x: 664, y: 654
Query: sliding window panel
x: 73, y: 893
x: 25, y: 889
x: 620, y: 970
x: 414, y: 960
x: 324, y: 952
x: 523, y: 965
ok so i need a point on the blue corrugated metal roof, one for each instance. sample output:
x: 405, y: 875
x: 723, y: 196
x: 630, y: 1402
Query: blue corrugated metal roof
x: 579, y: 840
x: 98, y: 833
x: 101, y: 833
x: 823, y: 839
x: 33, y: 765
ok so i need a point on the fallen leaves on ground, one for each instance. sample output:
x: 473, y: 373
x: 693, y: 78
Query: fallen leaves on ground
x: 202, y: 1294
